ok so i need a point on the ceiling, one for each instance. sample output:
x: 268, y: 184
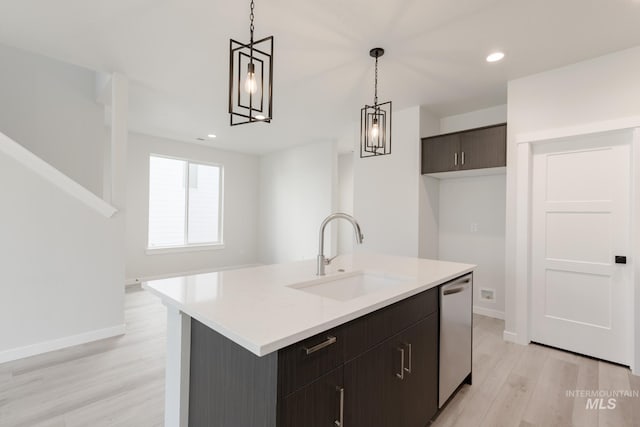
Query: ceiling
x: 175, y: 53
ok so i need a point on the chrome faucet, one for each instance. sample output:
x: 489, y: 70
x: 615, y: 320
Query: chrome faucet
x: 322, y: 261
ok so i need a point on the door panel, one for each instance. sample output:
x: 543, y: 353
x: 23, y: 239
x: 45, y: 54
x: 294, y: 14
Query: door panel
x: 580, y: 221
x: 595, y: 305
x: 585, y: 228
x: 579, y: 175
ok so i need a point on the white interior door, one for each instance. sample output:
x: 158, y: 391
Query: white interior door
x: 581, y: 299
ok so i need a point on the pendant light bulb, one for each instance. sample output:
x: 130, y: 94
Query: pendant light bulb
x: 375, y: 130
x: 250, y: 84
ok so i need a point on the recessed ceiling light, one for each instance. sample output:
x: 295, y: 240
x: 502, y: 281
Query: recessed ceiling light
x: 211, y: 136
x: 495, y: 57
x: 260, y: 117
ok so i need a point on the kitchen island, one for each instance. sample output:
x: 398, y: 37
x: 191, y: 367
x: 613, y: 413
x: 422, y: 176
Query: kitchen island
x: 277, y: 345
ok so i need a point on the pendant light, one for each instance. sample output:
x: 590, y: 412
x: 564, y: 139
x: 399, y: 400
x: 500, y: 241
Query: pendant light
x: 375, y: 121
x: 251, y: 78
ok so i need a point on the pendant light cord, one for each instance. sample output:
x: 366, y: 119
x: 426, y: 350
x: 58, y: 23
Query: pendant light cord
x: 251, y: 18
x: 375, y: 98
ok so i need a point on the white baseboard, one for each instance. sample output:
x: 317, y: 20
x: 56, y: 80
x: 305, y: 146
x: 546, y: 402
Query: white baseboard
x: 139, y: 280
x: 510, y: 337
x: 47, y: 346
x: 496, y: 314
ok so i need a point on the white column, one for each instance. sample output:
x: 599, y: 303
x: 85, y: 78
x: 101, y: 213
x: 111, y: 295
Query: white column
x: 176, y: 406
x: 119, y: 136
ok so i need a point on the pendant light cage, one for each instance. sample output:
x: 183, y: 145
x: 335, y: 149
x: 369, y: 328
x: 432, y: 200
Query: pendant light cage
x: 375, y: 121
x: 251, y: 79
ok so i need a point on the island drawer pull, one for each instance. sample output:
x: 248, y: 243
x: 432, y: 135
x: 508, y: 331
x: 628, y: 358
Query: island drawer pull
x: 410, y: 357
x: 330, y: 340
x: 340, y: 422
x: 452, y: 291
x: 402, y: 369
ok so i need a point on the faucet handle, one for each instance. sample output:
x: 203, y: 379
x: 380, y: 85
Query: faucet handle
x: 327, y: 261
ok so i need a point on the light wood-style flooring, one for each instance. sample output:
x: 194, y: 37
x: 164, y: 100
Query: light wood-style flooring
x: 113, y: 382
x: 120, y: 382
x: 526, y: 386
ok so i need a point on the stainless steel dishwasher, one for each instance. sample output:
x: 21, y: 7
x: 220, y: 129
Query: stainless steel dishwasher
x: 456, y: 300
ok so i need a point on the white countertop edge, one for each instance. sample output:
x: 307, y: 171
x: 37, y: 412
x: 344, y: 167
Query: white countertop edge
x: 265, y: 349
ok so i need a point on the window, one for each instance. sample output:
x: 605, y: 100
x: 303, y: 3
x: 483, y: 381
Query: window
x: 185, y: 203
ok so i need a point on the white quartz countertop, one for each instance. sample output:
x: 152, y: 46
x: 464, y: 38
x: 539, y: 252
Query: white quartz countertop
x: 258, y: 309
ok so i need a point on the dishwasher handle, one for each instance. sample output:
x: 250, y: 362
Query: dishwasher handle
x: 452, y: 291
x: 456, y: 286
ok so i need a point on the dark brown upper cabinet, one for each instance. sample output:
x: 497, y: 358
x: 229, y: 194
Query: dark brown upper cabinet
x: 441, y: 154
x: 480, y: 148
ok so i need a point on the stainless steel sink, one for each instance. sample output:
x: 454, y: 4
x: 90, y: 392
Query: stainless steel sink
x: 349, y: 285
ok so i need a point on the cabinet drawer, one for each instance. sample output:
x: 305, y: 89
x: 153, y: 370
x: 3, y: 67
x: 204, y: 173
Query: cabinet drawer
x: 305, y: 361
x: 368, y: 331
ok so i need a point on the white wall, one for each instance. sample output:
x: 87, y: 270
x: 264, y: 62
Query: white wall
x: 297, y: 191
x: 346, y: 236
x: 428, y: 195
x: 474, y: 119
x: 62, y: 269
x: 240, y: 210
x: 472, y: 227
x: 49, y: 107
x: 475, y: 203
x: 585, y: 95
x: 386, y: 191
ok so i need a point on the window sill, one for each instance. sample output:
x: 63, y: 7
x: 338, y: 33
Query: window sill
x: 187, y: 248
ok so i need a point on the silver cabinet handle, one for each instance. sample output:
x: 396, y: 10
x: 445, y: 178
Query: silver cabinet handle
x: 452, y: 291
x: 340, y: 422
x: 401, y: 374
x: 330, y: 340
x: 463, y: 157
x: 410, y: 359
x: 455, y: 159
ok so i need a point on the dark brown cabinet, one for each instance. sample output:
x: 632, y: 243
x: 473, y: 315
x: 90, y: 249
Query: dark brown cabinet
x: 374, y: 395
x: 420, y: 392
x: 472, y: 149
x: 378, y: 370
x: 440, y: 154
x: 388, y: 373
x: 315, y: 405
x: 395, y: 383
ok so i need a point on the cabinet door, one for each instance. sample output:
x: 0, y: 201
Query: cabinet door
x: 372, y: 389
x: 315, y: 405
x: 483, y: 148
x: 419, y: 401
x: 440, y: 154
